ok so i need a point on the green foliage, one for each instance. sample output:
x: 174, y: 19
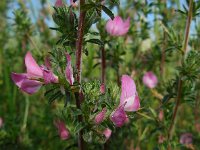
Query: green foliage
x: 157, y: 30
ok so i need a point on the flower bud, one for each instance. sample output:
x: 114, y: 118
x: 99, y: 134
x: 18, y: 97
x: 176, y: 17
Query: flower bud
x: 107, y: 132
x: 62, y: 130
x: 100, y: 116
x: 102, y: 88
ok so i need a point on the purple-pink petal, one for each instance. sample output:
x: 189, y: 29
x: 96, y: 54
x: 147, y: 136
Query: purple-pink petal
x: 30, y: 86
x: 48, y: 76
x: 33, y: 69
x: 128, y: 94
x: 69, y: 70
x: 150, y: 80
x: 25, y: 84
x: 18, y: 78
x: 118, y: 117
x: 136, y: 104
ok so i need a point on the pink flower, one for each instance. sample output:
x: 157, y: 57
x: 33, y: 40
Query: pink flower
x: 48, y: 76
x: 100, y: 116
x: 118, y: 27
x: 1, y: 122
x: 186, y: 138
x: 30, y: 82
x: 118, y: 117
x: 62, y: 130
x: 74, y: 4
x: 102, y: 88
x: 129, y: 96
x: 69, y: 70
x: 59, y: 3
x: 150, y: 80
x: 107, y: 132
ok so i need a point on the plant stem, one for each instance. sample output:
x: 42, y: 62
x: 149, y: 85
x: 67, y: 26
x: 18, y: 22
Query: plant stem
x: 79, y: 46
x: 170, y: 133
x: 23, y: 128
x: 180, y: 82
x: 80, y: 42
x: 103, y: 65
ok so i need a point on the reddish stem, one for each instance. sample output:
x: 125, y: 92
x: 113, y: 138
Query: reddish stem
x: 180, y: 83
x: 79, y: 47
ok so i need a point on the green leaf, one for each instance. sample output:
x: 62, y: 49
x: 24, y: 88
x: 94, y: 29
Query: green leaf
x: 88, y: 6
x: 95, y: 41
x: 108, y: 12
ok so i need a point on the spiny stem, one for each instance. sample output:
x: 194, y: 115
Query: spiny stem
x: 79, y: 42
x: 180, y: 82
x: 79, y: 46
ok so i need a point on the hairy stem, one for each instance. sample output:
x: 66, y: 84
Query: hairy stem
x: 79, y: 46
x: 180, y: 83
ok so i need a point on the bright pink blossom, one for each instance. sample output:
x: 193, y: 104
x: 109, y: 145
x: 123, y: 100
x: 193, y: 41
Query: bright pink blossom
x: 69, y: 70
x: 118, y: 27
x: 150, y: 80
x: 186, y: 138
x: 107, y: 133
x: 118, y: 117
x: 31, y: 81
x: 59, y: 3
x: 62, y: 130
x: 100, y: 116
x: 129, y: 95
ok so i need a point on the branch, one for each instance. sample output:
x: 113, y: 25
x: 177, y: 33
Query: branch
x: 79, y: 46
x: 180, y: 83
